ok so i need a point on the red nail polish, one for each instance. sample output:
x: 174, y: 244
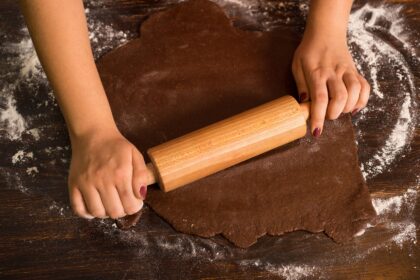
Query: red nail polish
x: 143, y: 191
x: 302, y: 96
x: 316, y: 132
x: 354, y: 112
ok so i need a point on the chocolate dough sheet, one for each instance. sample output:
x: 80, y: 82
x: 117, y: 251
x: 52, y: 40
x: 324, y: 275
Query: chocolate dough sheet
x: 190, y: 68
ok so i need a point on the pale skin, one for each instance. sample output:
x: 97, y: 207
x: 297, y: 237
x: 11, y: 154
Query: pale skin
x: 107, y: 176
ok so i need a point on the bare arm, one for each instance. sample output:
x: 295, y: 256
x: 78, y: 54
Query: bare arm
x: 60, y: 35
x: 107, y: 173
x: 323, y: 67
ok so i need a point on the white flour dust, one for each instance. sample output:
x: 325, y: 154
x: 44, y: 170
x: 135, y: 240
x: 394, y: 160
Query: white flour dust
x: 32, y: 170
x: 371, y: 54
x: 12, y: 124
x: 388, y: 209
x: 104, y: 37
x: 377, y: 54
x: 182, y: 245
x: 287, y: 272
x: 21, y: 157
x: 26, y: 69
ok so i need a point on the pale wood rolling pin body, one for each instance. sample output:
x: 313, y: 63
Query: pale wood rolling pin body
x: 226, y: 143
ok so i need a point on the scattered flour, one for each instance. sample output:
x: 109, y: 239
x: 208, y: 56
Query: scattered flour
x: 287, y: 272
x: 104, y: 37
x: 389, y: 209
x: 32, y: 170
x: 291, y: 272
x: 35, y: 132
x: 375, y: 53
x: 392, y: 204
x: 21, y: 156
x: 12, y: 124
x: 60, y: 210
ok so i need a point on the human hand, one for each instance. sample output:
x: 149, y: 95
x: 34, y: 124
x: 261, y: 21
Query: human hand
x: 107, y: 176
x: 325, y: 73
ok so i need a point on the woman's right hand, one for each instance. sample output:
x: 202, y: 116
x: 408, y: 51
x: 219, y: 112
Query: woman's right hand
x: 107, y: 176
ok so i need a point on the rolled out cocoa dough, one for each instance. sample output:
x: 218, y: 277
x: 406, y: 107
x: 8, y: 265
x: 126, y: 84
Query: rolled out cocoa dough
x: 190, y: 68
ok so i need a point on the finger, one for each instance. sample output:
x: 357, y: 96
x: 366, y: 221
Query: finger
x: 94, y: 203
x: 77, y: 203
x: 319, y: 97
x: 300, y: 83
x: 111, y: 201
x: 353, y: 87
x: 363, y: 96
x: 338, y: 97
x: 140, y: 175
x: 130, y: 202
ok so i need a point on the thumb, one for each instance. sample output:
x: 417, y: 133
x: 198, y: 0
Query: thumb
x: 139, y: 175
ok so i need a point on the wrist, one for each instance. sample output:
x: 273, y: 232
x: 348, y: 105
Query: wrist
x: 328, y: 19
x: 324, y: 36
x: 95, y: 131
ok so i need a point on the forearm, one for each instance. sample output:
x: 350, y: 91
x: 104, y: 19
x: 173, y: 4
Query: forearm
x: 328, y: 18
x: 60, y: 35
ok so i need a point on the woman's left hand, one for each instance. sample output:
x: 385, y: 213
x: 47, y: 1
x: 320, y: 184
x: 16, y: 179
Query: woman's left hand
x: 325, y: 73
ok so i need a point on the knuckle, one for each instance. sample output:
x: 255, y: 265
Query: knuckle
x: 355, y: 86
x: 141, y: 175
x: 318, y: 74
x: 82, y: 179
x: 124, y: 192
x: 121, y: 172
x: 320, y: 96
x: 340, y: 69
x: 340, y: 96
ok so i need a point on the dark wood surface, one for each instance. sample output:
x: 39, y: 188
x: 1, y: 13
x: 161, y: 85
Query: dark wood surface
x: 41, y: 239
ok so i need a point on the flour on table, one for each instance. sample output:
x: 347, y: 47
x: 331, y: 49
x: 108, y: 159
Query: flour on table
x: 32, y: 170
x: 376, y: 54
x: 104, y: 37
x: 12, y: 124
x: 57, y: 208
x: 287, y: 272
x: 397, y: 214
x: 21, y: 156
x: 405, y: 230
x: 371, y: 54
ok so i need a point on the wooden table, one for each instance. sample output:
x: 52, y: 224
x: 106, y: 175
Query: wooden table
x: 41, y: 239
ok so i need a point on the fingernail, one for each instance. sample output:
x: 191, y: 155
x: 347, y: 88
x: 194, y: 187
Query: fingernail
x: 316, y: 132
x: 355, y: 111
x: 89, y: 217
x: 143, y: 191
x: 302, y: 96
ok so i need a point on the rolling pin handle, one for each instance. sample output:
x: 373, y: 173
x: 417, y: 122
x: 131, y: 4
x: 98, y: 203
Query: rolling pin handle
x: 305, y: 107
x: 151, y: 174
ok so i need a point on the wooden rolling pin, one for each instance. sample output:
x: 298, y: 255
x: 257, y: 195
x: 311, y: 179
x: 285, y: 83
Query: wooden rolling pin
x: 226, y: 143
